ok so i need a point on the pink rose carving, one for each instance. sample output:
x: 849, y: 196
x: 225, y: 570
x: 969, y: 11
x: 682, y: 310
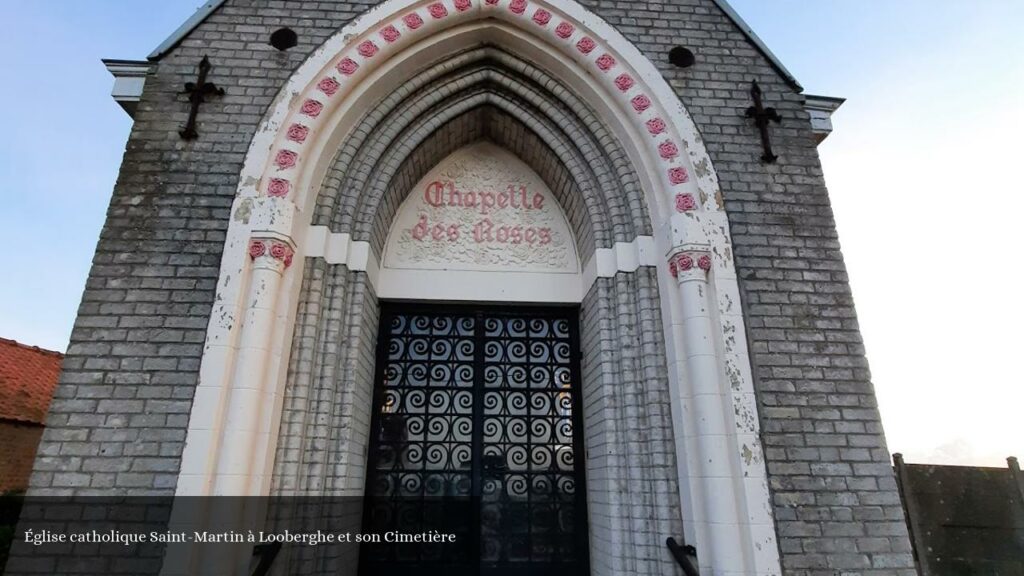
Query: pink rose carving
x: 586, y: 45
x: 297, y: 133
x: 285, y: 159
x: 624, y: 82
x: 678, y: 175
x: 668, y: 150
x: 413, y: 21
x: 656, y: 126
x: 492, y: 2
x: 605, y: 62
x: 685, y: 203
x: 367, y: 49
x: 390, y: 34
x: 564, y: 30
x: 517, y: 6
x: 437, y: 10
x: 328, y: 86
x: 311, y: 108
x: 257, y: 249
x: 641, y: 103
x: 672, y: 268
x: 704, y: 262
x: 278, y: 251
x: 542, y: 17
x: 684, y: 262
x: 288, y: 258
x: 347, y: 66
x: 278, y: 188
x: 463, y: 5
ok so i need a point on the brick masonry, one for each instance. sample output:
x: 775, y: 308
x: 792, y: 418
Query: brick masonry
x: 117, y: 423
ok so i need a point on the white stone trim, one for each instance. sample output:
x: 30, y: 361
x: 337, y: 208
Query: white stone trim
x: 739, y: 538
x: 129, y: 80
x: 820, y: 109
x: 470, y: 286
x: 623, y: 257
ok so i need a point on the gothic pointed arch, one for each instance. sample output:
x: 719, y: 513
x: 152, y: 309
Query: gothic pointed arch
x: 283, y: 401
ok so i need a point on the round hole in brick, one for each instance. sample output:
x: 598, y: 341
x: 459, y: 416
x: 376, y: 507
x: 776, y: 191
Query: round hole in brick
x: 284, y: 39
x: 681, y: 57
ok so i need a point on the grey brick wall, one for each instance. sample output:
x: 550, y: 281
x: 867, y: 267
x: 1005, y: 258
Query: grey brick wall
x: 632, y: 482
x: 118, y: 421
x: 836, y: 503
x: 326, y: 414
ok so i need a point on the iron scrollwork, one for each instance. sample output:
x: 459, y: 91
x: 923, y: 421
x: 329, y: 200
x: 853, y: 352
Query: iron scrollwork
x: 474, y: 434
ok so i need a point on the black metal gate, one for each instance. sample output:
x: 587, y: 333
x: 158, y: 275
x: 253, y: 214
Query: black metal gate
x: 476, y: 433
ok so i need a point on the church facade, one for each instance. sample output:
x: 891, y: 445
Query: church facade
x: 572, y: 260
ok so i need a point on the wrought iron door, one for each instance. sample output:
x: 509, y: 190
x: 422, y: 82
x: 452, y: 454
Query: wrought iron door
x: 476, y: 432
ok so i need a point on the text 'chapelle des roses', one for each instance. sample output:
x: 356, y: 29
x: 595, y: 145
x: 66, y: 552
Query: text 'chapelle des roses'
x: 446, y: 196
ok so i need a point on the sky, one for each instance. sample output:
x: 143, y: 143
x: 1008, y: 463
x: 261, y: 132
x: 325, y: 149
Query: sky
x: 923, y: 168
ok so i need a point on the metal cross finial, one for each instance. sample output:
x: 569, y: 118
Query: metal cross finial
x: 197, y: 92
x: 762, y: 116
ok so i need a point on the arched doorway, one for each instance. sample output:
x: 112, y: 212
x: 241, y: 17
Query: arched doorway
x: 284, y: 403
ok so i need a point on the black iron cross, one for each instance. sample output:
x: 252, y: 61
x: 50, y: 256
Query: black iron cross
x: 197, y: 92
x: 762, y: 116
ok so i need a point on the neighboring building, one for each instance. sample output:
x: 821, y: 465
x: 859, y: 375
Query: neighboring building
x: 28, y: 377
x: 964, y: 519
x: 575, y: 258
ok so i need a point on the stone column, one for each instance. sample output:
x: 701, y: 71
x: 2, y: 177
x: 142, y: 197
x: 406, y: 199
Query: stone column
x: 709, y: 429
x: 244, y: 427
x: 718, y: 512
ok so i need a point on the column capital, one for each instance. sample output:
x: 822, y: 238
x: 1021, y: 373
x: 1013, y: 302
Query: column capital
x: 272, y: 251
x: 685, y: 264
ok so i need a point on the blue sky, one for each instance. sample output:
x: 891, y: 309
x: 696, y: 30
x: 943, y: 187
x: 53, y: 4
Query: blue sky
x: 922, y: 171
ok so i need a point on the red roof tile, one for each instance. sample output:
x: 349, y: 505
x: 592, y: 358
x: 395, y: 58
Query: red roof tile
x: 28, y: 376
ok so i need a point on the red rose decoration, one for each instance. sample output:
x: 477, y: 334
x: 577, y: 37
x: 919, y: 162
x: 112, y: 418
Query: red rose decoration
x: 684, y: 262
x: 298, y: 133
x: 605, y: 62
x: 285, y: 159
x: 641, y: 103
x: 347, y: 66
x: 367, y: 49
x: 257, y: 249
x: 586, y: 45
x: 704, y: 262
x: 668, y: 150
x: 437, y: 10
x: 390, y: 34
x: 328, y: 86
x: 672, y: 268
x: 542, y: 17
x: 624, y: 82
x: 517, y: 6
x: 311, y: 108
x: 413, y: 21
x: 463, y: 5
x: 685, y: 203
x: 278, y: 251
x: 278, y: 188
x: 656, y: 126
x: 288, y: 258
x: 564, y: 30
x: 678, y: 176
